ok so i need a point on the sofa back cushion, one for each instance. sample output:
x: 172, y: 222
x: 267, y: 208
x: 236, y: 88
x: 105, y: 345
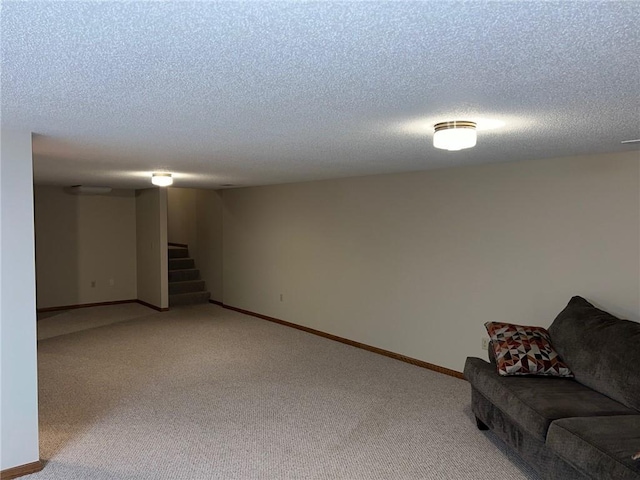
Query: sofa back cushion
x: 602, y: 351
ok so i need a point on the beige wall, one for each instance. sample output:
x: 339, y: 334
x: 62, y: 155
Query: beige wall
x: 181, y: 216
x: 416, y: 263
x: 195, y: 219
x: 151, y: 242
x: 18, y: 363
x: 84, y: 240
x: 209, y: 240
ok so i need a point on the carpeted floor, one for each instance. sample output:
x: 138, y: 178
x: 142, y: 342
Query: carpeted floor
x: 206, y: 393
x: 52, y: 324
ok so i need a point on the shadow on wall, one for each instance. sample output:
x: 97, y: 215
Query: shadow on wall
x: 194, y: 218
x: 85, y: 247
x: 57, y: 238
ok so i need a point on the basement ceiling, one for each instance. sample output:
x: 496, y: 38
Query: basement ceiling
x: 267, y: 92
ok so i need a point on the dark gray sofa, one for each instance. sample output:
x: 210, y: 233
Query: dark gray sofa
x: 582, y: 428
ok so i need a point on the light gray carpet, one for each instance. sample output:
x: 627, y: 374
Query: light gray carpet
x: 52, y: 324
x: 205, y: 393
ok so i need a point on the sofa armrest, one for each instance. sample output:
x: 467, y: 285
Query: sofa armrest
x: 476, y: 367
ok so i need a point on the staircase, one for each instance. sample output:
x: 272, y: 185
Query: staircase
x: 185, y: 286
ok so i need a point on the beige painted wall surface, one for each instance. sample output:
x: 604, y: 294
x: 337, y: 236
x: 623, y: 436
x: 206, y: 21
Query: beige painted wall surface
x: 164, y: 255
x: 181, y: 216
x: 151, y: 242
x: 18, y: 356
x: 195, y: 219
x: 81, y: 239
x: 416, y: 263
x: 208, y: 254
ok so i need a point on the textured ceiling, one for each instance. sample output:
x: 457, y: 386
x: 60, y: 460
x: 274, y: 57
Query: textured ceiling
x: 264, y: 92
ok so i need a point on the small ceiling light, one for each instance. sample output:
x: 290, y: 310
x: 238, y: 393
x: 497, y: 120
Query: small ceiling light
x: 455, y: 135
x: 161, y: 179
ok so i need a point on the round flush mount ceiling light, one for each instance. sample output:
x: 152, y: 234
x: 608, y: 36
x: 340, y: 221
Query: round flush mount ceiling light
x: 161, y: 179
x: 454, y: 135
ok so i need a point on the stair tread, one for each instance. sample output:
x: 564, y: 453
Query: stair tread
x: 187, y: 285
x: 189, y: 293
x: 177, y: 253
x: 186, y: 273
x: 191, y: 298
x: 181, y: 263
x: 184, y: 279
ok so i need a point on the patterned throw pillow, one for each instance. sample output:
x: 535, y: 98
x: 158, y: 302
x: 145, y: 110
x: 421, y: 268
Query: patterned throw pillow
x: 521, y: 350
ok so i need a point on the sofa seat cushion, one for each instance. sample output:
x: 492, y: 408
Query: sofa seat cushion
x: 599, y: 446
x: 534, y: 402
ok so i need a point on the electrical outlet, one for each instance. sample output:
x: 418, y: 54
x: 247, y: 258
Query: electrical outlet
x: 281, y: 297
x: 93, y: 284
x: 111, y: 282
x: 485, y: 343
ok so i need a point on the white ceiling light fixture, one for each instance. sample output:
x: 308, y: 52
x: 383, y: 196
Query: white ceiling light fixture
x: 454, y: 135
x: 161, y: 179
